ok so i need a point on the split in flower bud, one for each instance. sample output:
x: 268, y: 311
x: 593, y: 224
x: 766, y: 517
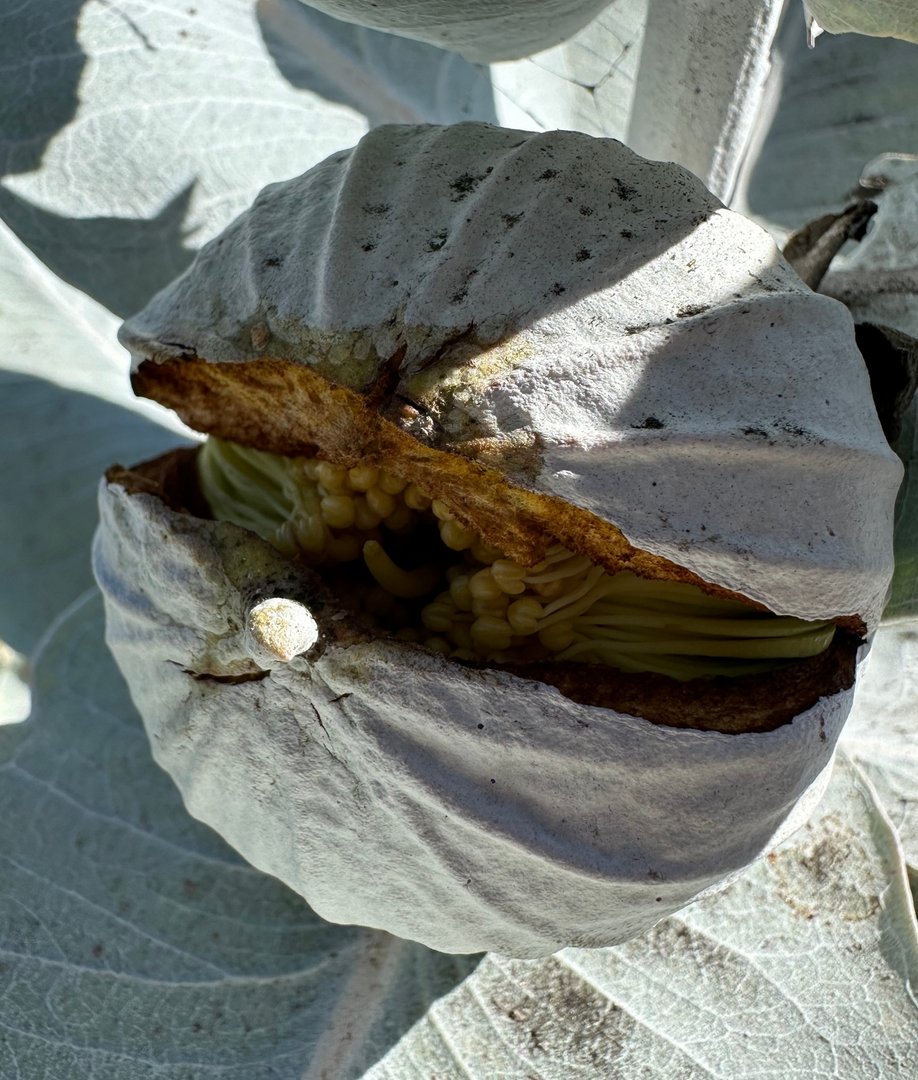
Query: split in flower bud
x: 466, y: 599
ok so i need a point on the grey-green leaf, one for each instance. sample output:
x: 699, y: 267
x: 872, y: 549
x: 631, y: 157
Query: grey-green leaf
x: 803, y: 967
x: 66, y: 413
x: 832, y: 110
x: 877, y: 279
x: 386, y: 78
x: 184, y: 112
x: 881, y: 733
x: 136, y: 944
x: 586, y: 83
x: 903, y: 599
x: 878, y: 18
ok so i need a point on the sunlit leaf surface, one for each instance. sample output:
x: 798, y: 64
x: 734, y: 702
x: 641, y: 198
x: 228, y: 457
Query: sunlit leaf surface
x: 170, y: 118
x: 882, y: 732
x: 585, y: 84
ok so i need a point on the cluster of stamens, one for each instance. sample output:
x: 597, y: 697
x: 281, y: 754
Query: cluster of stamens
x: 563, y: 608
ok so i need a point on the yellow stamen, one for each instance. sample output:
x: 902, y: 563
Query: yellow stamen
x: 332, y: 477
x: 392, y: 485
x: 415, y: 499
x: 408, y: 585
x: 338, y: 511
x: 492, y: 608
x: 380, y: 502
x: 455, y: 537
x: 362, y: 477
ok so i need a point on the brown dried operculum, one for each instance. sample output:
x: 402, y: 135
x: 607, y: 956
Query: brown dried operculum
x: 286, y: 408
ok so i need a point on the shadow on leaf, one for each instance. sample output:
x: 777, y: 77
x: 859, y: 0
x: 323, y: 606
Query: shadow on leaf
x: 839, y: 105
x: 56, y: 445
x: 41, y: 64
x: 121, y: 262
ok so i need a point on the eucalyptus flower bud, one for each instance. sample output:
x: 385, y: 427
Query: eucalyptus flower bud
x: 583, y: 512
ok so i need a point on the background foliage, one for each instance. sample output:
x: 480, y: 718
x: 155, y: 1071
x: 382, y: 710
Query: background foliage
x: 134, y: 943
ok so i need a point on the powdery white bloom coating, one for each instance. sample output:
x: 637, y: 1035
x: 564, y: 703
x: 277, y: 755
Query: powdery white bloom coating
x: 597, y: 324
x: 390, y: 787
x: 543, y: 318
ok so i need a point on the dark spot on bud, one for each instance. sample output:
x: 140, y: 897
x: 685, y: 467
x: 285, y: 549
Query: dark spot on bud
x: 623, y: 190
x: 793, y: 429
x: 464, y: 185
x: 368, y: 246
x: 549, y: 174
x: 557, y: 289
x: 583, y: 254
x: 510, y: 219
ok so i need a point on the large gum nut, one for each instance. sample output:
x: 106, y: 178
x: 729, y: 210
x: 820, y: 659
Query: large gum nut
x: 564, y: 340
